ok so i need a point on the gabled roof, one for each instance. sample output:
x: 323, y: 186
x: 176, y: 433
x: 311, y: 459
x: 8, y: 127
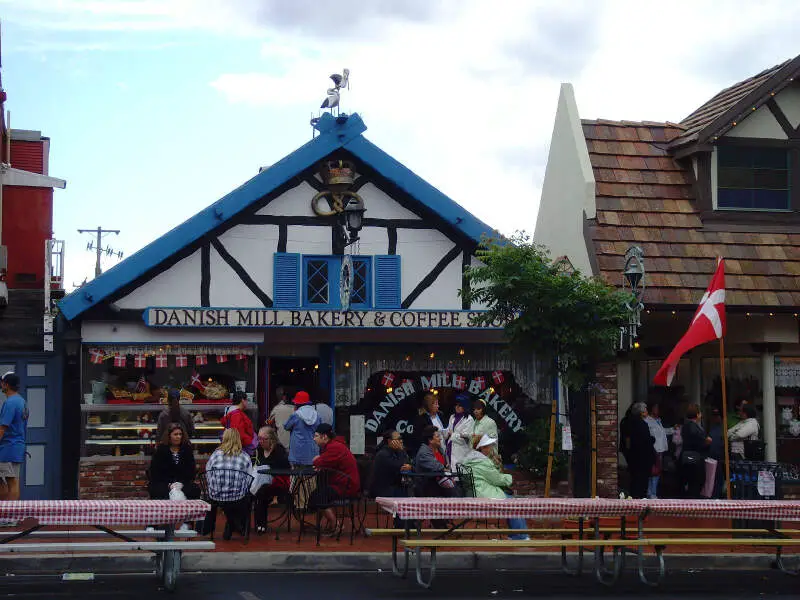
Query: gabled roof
x: 644, y: 197
x: 334, y: 133
x: 731, y: 105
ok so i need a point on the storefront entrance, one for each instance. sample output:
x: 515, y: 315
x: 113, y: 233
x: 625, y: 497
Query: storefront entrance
x: 294, y: 374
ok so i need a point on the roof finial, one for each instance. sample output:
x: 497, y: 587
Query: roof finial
x: 332, y: 97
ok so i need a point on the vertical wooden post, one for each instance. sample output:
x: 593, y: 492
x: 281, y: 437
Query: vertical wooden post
x: 551, y: 447
x: 725, y: 417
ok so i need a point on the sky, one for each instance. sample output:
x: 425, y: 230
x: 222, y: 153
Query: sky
x: 157, y: 108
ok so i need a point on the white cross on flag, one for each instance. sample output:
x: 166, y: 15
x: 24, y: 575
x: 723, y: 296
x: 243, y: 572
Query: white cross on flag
x: 387, y: 380
x: 161, y: 361
x: 707, y: 325
x: 120, y: 360
x: 459, y: 382
x: 195, y: 382
x: 96, y: 356
x: 181, y: 360
x: 140, y: 361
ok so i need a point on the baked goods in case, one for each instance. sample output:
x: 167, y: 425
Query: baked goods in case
x: 215, y: 391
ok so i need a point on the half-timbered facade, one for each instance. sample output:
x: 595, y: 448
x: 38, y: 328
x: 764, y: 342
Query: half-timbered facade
x: 272, y: 288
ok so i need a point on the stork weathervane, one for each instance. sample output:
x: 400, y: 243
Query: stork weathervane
x: 333, y: 95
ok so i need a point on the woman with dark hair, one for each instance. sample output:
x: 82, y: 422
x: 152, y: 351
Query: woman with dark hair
x: 173, y: 463
x: 747, y: 429
x: 429, y: 415
x: 387, y: 468
x: 696, y: 444
x: 174, y: 413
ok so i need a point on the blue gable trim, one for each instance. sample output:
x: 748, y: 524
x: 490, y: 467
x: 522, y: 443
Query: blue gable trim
x: 334, y: 133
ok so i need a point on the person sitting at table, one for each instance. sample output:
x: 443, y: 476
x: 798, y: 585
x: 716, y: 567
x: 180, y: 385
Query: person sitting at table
x: 173, y: 463
x: 428, y: 462
x: 490, y: 482
x: 228, y: 475
x: 270, y: 453
x: 343, y: 479
x: 388, y: 466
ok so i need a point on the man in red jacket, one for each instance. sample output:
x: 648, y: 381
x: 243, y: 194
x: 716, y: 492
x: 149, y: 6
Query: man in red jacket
x: 343, y: 479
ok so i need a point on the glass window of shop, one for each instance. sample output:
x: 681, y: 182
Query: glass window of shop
x: 672, y: 400
x: 125, y: 391
x: 383, y: 387
x: 787, y: 398
x: 743, y: 383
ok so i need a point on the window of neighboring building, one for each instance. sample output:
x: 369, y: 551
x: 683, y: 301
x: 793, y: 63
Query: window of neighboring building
x: 752, y: 178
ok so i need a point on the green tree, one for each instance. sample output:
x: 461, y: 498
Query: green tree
x: 549, y: 309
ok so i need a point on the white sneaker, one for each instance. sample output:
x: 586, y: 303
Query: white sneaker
x: 184, y: 527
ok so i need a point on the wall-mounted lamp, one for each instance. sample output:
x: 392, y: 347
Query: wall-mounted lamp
x: 633, y: 280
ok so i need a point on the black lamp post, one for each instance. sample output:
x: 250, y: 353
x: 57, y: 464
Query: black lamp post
x: 354, y: 218
x: 633, y: 280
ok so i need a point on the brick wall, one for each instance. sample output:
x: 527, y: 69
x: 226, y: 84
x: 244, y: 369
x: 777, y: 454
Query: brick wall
x: 108, y: 477
x: 607, y: 444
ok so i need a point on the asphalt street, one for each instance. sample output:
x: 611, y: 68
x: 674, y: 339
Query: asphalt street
x: 383, y: 586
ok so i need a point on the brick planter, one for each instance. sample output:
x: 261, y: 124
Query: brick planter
x: 115, y: 477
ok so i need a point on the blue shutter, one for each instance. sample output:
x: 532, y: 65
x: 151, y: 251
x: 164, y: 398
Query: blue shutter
x: 387, y: 281
x: 286, y: 280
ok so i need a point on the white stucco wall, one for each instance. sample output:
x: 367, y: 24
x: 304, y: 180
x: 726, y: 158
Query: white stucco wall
x: 789, y: 102
x: 760, y: 124
x: 568, y: 191
x: 178, y: 286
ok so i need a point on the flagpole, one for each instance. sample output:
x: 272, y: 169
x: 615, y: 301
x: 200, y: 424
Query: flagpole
x: 725, y: 416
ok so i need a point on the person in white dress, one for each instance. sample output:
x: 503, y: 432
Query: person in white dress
x: 458, y: 434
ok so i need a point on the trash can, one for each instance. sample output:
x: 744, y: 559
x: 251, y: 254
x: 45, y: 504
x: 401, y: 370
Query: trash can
x: 757, y: 480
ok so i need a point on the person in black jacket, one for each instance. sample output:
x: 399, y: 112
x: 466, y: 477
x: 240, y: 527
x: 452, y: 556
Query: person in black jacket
x: 173, y: 462
x: 271, y: 453
x: 641, y: 454
x: 692, y: 463
x: 390, y: 461
x: 428, y: 415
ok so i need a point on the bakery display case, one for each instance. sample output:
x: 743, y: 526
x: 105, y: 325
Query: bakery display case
x: 124, y: 394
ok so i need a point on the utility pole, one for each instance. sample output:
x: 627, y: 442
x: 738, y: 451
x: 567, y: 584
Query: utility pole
x: 99, y: 248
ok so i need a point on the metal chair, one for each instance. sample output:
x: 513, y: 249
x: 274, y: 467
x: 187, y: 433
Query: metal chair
x: 228, y: 489
x: 325, y: 497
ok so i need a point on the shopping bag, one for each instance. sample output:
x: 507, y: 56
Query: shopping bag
x: 259, y: 479
x: 176, y: 492
x: 711, y: 477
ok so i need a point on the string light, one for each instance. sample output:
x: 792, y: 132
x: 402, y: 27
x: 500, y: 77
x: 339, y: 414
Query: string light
x: 461, y: 352
x: 346, y: 364
x: 316, y: 367
x: 746, y: 314
x: 771, y: 315
x: 432, y: 355
x: 408, y: 358
x: 636, y: 345
x: 365, y: 363
x: 389, y: 390
x: 291, y: 370
x: 435, y: 392
x: 673, y: 313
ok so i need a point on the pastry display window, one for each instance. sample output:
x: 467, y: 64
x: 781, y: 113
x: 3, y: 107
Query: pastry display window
x: 125, y: 390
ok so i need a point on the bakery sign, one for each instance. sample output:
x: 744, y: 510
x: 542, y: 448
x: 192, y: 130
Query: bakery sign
x: 258, y: 318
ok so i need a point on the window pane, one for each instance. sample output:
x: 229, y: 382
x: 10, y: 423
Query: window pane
x: 727, y: 198
x: 36, y: 370
x: 775, y: 158
x: 771, y: 179
x: 736, y: 177
x: 317, y: 282
x: 773, y: 199
x: 360, y: 293
x: 735, y: 156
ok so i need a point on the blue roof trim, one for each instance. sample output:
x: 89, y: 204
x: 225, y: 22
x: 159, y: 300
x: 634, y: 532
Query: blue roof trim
x: 334, y: 133
x: 419, y: 189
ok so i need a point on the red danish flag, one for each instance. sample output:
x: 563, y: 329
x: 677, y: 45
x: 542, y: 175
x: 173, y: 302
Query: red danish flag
x: 120, y: 360
x: 200, y: 360
x: 222, y: 358
x: 181, y: 360
x: 195, y: 382
x: 459, y: 382
x: 498, y: 377
x: 707, y: 325
x: 96, y: 356
x: 241, y: 357
x: 387, y: 380
x: 161, y: 361
x: 140, y: 361
x: 481, y: 381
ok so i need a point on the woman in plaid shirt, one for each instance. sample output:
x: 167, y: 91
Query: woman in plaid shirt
x: 228, y: 476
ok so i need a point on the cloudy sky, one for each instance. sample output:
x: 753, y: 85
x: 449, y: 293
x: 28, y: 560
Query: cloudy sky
x: 156, y: 108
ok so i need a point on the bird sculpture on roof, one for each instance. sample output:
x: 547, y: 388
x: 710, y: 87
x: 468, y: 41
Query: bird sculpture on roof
x: 339, y: 81
x: 332, y: 99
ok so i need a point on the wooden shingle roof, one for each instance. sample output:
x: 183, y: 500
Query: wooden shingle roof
x: 644, y: 197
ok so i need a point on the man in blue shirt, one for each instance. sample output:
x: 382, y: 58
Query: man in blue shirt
x: 13, y: 424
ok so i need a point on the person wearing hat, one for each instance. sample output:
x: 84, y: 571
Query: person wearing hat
x: 490, y: 482
x: 13, y: 429
x: 302, y: 425
x: 484, y: 424
x: 174, y: 413
x: 458, y: 434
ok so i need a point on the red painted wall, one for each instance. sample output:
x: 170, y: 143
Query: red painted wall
x: 27, y: 223
x: 28, y: 156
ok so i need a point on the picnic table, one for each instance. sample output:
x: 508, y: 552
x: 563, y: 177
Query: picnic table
x: 104, y: 517
x: 462, y: 510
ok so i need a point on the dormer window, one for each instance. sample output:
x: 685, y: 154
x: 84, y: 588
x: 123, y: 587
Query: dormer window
x: 752, y: 178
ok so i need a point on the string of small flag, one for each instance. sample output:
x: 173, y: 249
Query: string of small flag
x: 97, y: 356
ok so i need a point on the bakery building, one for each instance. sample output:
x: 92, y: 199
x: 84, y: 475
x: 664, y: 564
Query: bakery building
x: 336, y: 270
x: 724, y: 182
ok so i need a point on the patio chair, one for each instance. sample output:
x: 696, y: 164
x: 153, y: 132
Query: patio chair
x: 228, y: 489
x: 324, y: 497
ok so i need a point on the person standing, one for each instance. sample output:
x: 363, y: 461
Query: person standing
x: 280, y: 414
x: 458, y: 434
x: 641, y: 454
x: 13, y: 429
x: 695, y: 448
x: 302, y: 424
x: 174, y: 413
x: 660, y: 445
x: 236, y: 418
x: 324, y: 409
x: 746, y: 429
x: 429, y: 415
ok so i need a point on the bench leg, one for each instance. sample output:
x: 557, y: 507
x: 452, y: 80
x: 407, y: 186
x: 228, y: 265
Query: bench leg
x: 170, y: 567
x: 564, y: 564
x: 431, y: 570
x: 642, y: 569
x: 608, y: 576
x: 779, y: 562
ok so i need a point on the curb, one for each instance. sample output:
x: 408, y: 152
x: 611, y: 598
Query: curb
x: 332, y: 562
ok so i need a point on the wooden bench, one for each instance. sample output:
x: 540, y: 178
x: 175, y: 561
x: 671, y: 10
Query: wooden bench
x: 620, y: 546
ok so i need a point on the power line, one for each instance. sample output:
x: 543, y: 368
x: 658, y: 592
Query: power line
x: 99, y: 249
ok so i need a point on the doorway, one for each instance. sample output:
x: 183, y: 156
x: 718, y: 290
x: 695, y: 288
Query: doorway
x: 294, y: 374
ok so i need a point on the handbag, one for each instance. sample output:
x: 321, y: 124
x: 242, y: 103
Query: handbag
x: 259, y: 480
x: 690, y: 457
x: 755, y: 450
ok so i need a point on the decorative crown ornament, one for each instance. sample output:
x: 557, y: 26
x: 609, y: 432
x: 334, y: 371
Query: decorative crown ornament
x: 337, y: 173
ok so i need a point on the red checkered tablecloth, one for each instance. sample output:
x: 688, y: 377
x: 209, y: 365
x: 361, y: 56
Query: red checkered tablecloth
x: 522, y: 508
x: 103, y: 512
x: 561, y: 508
x: 777, y: 510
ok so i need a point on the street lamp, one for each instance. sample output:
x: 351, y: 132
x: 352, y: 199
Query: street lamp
x: 354, y: 217
x: 633, y: 280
